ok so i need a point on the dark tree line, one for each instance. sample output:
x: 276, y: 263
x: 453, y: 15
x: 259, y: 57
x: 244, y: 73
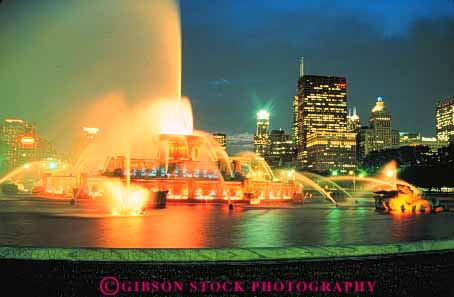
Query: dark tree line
x: 416, y: 164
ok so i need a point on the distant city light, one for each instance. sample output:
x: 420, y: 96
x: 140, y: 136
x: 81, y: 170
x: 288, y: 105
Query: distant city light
x: 52, y: 165
x: 27, y: 140
x: 432, y: 139
x: 26, y: 166
x: 91, y: 130
x: 14, y: 121
x: 334, y: 173
x: 263, y: 115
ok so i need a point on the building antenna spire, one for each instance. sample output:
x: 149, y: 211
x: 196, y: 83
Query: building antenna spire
x: 302, y: 67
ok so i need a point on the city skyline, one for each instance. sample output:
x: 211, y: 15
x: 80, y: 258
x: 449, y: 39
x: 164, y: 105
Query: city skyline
x: 235, y: 143
x: 250, y: 75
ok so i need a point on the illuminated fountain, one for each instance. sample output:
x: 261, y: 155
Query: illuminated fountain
x: 163, y: 153
x: 393, y: 195
x: 402, y: 197
x: 148, y: 145
x: 191, y: 165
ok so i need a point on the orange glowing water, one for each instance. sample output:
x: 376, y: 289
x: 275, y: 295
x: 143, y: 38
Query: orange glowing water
x: 409, y: 197
x: 126, y: 200
x: 407, y: 202
x: 257, y: 168
x: 174, y: 116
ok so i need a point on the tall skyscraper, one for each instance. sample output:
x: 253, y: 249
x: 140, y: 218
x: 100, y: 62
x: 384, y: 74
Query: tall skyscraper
x: 281, y: 151
x: 322, y: 109
x: 445, y: 120
x: 295, y: 134
x: 295, y: 106
x: 21, y: 141
x: 379, y: 135
x: 262, y: 136
x: 221, y: 138
x: 353, y: 121
x: 331, y: 151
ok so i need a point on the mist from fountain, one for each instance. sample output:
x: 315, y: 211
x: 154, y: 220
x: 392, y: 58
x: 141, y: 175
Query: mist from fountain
x: 257, y: 167
x: 328, y: 181
x: 370, y: 182
x: 304, y: 180
x: 33, y: 169
x: 15, y: 172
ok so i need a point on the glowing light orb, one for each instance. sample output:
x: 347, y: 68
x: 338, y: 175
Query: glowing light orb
x: 263, y: 115
x: 27, y: 140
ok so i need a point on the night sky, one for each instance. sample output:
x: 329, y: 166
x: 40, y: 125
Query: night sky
x: 238, y: 57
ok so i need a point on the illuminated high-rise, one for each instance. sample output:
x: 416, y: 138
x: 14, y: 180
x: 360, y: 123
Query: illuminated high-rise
x: 445, y: 120
x: 331, y: 151
x: 415, y: 139
x: 353, y: 121
x: 295, y: 134
x: 281, y: 151
x: 21, y: 141
x: 295, y: 107
x: 322, y: 109
x: 221, y: 138
x: 380, y: 134
x: 262, y: 136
